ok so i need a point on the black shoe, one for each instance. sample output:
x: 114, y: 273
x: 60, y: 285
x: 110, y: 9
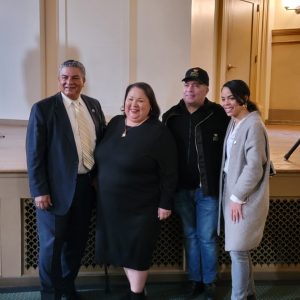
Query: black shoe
x: 125, y: 297
x: 51, y: 296
x: 72, y: 296
x: 194, y: 289
x: 210, y: 291
x: 251, y: 297
x: 131, y: 295
x: 137, y: 296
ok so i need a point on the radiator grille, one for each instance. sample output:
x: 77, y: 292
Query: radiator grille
x: 167, y: 255
x: 280, y: 244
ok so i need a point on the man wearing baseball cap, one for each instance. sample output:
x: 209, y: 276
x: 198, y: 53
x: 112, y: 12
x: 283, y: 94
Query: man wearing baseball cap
x: 198, y: 126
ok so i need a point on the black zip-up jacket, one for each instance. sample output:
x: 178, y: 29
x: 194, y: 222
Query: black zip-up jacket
x: 199, y: 137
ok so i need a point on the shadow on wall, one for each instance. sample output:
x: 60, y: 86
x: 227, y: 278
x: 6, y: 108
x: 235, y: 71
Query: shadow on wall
x: 32, y: 76
x: 39, y: 74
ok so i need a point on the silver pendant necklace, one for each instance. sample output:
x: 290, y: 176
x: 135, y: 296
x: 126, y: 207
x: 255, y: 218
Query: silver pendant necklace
x: 126, y: 127
x: 124, y: 133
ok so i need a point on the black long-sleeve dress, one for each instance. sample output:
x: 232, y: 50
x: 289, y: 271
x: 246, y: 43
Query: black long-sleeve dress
x: 137, y: 174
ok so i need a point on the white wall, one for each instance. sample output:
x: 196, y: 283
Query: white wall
x: 119, y: 41
x: 163, y: 47
x: 125, y: 41
x: 97, y: 33
x: 21, y: 77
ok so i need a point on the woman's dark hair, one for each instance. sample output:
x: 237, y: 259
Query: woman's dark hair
x: 241, y: 93
x: 154, y: 108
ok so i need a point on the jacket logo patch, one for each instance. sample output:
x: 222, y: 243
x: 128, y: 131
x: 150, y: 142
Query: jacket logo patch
x: 215, y: 137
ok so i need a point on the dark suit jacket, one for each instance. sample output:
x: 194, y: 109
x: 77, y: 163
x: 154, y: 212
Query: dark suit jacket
x: 52, y: 158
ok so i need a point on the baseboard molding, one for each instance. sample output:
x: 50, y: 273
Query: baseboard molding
x: 99, y: 281
x: 10, y: 122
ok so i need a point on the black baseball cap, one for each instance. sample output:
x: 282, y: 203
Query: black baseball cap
x: 197, y: 74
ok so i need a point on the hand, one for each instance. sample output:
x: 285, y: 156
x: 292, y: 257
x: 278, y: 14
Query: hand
x: 236, y: 212
x: 164, y: 213
x: 42, y: 202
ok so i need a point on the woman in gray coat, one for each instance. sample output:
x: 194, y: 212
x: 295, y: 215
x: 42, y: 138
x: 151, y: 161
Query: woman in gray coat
x: 244, y: 184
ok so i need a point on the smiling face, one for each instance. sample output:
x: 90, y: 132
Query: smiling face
x: 71, y: 81
x: 231, y: 105
x: 137, y: 106
x: 194, y: 94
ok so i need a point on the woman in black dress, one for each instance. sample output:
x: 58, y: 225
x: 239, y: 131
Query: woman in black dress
x: 137, y: 175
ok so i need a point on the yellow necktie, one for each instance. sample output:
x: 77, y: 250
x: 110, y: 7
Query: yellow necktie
x: 85, y: 137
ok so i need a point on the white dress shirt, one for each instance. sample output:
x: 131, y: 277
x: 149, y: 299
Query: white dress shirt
x: 71, y: 114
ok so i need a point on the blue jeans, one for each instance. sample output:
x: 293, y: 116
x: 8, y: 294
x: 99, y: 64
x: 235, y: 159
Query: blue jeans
x: 199, y: 216
x: 242, y: 275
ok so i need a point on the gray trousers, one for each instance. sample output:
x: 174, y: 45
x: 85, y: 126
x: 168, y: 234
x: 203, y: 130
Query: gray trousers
x: 241, y: 275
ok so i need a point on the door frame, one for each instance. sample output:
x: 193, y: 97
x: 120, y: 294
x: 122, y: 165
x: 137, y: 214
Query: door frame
x: 260, y: 79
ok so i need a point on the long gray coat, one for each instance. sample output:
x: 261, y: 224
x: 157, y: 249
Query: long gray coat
x: 248, y: 180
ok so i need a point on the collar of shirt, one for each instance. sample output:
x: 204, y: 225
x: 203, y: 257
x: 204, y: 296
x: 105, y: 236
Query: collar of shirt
x: 68, y: 102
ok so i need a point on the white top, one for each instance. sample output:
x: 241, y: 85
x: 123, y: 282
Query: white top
x: 230, y: 141
x: 71, y: 114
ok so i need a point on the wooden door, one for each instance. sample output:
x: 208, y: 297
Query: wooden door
x: 242, y: 41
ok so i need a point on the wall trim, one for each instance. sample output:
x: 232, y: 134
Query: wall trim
x: 12, y: 122
x: 282, y: 36
x: 288, y: 115
x: 291, y: 31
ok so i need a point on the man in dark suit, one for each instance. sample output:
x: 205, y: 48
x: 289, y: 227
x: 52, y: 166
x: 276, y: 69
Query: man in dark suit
x: 60, y: 179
